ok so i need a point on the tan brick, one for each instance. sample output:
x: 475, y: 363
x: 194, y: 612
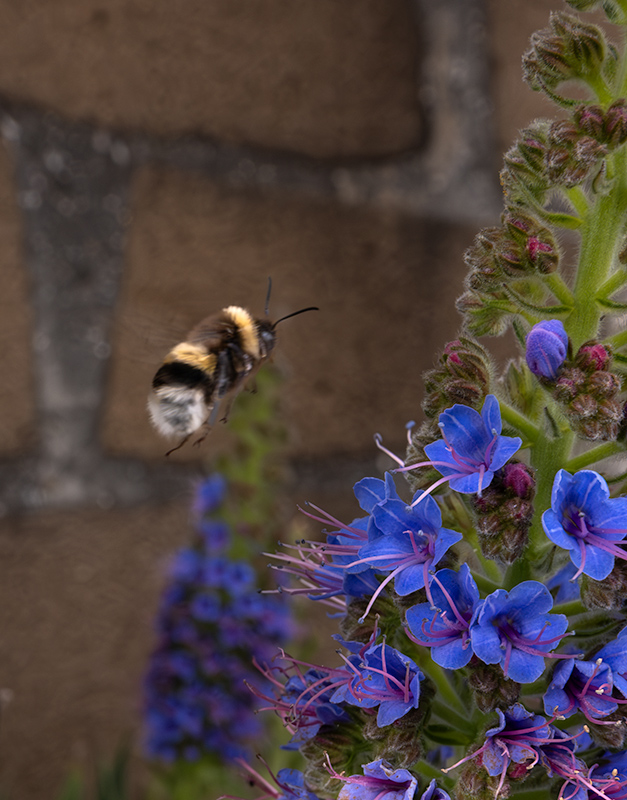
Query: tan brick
x: 77, y: 599
x: 325, y: 78
x: 16, y: 387
x: 385, y: 285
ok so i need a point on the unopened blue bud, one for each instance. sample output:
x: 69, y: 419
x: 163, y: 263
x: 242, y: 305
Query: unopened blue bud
x: 547, y: 344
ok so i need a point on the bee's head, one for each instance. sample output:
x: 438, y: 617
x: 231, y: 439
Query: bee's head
x: 267, y: 337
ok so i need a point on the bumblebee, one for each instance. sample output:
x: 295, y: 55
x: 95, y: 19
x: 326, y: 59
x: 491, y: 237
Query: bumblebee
x: 214, y: 362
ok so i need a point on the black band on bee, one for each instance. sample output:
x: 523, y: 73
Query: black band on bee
x: 178, y: 373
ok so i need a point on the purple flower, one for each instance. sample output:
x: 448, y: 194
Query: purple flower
x: 546, y: 347
x: 583, y: 520
x: 471, y: 448
x: 433, y: 792
x: 513, y: 629
x: 614, y: 654
x: 413, y: 541
x: 380, y: 781
x: 517, y: 738
x: 584, y: 686
x: 290, y: 783
x: 385, y: 678
x: 443, y: 624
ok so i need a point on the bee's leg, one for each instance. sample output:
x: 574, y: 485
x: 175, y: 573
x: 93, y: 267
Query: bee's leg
x: 228, y: 407
x: 251, y: 386
x: 179, y: 445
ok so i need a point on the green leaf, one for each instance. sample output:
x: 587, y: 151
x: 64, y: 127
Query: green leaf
x: 612, y: 305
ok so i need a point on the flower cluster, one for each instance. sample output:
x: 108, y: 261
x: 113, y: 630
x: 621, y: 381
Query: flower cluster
x: 210, y: 619
x: 496, y: 586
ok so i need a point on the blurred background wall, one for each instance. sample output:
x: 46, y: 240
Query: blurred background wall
x: 161, y: 160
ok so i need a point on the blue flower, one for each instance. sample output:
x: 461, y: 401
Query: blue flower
x: 380, y: 781
x: 614, y: 654
x: 513, y: 629
x: 413, y: 541
x: 583, y: 520
x: 546, y: 348
x: 433, y: 792
x: 443, y: 624
x: 471, y: 448
x: 386, y: 678
x: 584, y: 686
x: 211, y: 622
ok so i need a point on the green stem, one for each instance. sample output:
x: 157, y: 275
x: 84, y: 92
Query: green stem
x: 570, y: 608
x: 599, y: 242
x: 578, y: 200
x: 617, y: 340
x: 519, y: 421
x: 597, y: 453
x: 448, y: 693
x: 446, y: 714
x: 616, y: 281
x: 556, y: 284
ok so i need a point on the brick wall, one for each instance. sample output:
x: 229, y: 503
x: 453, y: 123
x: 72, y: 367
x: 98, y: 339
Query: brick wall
x: 161, y: 161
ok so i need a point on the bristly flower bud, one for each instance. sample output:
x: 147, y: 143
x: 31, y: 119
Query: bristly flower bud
x: 474, y: 783
x: 610, y: 593
x: 593, y: 356
x: 567, y: 49
x: 615, y: 126
x: 462, y: 376
x: 546, y: 349
x: 490, y: 687
x: 588, y: 392
x: 504, y: 513
x: 590, y: 120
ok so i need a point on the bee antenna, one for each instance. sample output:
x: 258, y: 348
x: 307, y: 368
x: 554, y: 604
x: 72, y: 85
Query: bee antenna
x: 294, y: 313
x: 268, y: 295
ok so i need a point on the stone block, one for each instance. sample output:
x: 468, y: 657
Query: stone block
x: 324, y: 78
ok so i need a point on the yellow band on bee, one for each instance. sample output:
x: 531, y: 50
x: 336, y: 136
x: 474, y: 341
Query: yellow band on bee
x: 192, y: 354
x: 247, y: 329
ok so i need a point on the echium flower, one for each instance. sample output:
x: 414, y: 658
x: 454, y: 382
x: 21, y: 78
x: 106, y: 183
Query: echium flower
x: 411, y: 542
x: 303, y: 702
x: 380, y: 781
x: 443, y: 623
x: 513, y: 629
x: 515, y: 740
x: 471, y: 448
x: 385, y: 678
x: 586, y: 522
x: 584, y: 686
x: 210, y: 616
x: 289, y: 784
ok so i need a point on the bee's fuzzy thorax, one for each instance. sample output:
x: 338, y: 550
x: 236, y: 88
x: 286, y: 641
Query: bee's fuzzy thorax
x: 193, y: 354
x: 247, y: 329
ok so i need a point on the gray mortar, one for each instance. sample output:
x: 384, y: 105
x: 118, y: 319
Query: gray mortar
x: 73, y: 180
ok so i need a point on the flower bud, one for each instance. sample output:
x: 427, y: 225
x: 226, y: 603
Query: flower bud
x: 603, y: 384
x: 490, y: 687
x: 474, y: 783
x: 504, y: 511
x: 610, y: 593
x: 590, y: 120
x: 567, y: 49
x: 593, y: 356
x: 546, y: 348
x: 569, y: 384
x: 518, y: 479
x: 542, y: 254
x: 615, y: 126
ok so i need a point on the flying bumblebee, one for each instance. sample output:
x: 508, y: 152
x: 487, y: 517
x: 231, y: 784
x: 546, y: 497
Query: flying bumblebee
x: 214, y: 362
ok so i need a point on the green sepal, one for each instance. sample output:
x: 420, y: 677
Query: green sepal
x: 545, y: 312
